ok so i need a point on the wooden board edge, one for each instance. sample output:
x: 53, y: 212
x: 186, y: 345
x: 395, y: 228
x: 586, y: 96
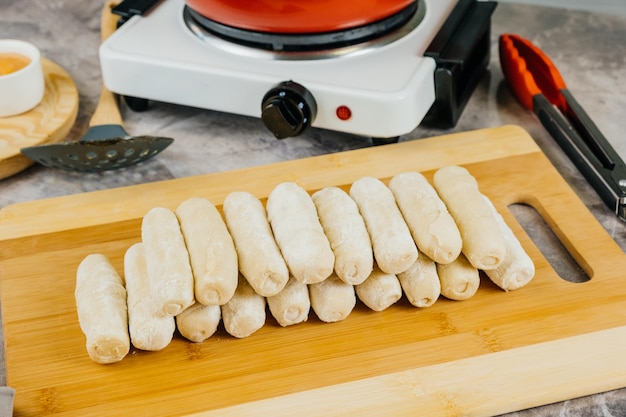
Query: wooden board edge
x: 109, y: 206
x: 486, y: 385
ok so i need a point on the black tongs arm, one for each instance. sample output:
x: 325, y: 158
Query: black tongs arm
x: 587, y: 148
x: 588, y: 130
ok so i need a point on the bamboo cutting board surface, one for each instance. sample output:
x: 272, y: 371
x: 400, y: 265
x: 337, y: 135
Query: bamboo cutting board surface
x: 494, y: 353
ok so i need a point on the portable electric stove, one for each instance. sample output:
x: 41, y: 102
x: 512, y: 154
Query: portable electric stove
x: 376, y: 70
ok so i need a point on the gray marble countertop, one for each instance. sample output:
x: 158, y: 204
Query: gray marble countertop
x: 589, y: 49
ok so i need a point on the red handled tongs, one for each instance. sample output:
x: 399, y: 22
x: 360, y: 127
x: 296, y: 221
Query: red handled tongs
x: 539, y: 87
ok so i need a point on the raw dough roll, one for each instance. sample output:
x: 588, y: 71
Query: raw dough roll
x: 149, y: 329
x: 299, y: 234
x: 244, y: 314
x: 432, y: 227
x: 260, y: 260
x: 211, y: 251
x: 517, y: 269
x: 420, y: 282
x: 292, y: 304
x: 332, y: 299
x: 483, y: 243
x: 101, y: 307
x: 394, y: 248
x: 345, y: 228
x: 380, y: 290
x: 199, y: 322
x: 459, y: 279
x: 167, y: 260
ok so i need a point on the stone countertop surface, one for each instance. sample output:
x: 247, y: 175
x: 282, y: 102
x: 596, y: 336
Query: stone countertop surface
x: 588, y: 48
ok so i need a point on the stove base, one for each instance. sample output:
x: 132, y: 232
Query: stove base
x: 388, y: 89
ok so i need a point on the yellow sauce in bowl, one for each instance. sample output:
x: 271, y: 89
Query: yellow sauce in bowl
x: 12, y: 62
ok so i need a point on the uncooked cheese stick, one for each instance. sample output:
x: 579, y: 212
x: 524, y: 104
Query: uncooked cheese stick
x: 244, y: 313
x: 260, y: 260
x: 167, y: 260
x: 199, y: 322
x: 459, y: 279
x: 333, y: 299
x: 420, y: 282
x: 432, y: 227
x: 345, y: 228
x: 517, y: 269
x: 380, y: 290
x: 394, y: 247
x: 299, y: 234
x: 149, y: 329
x: 211, y: 251
x: 102, y: 313
x: 292, y: 304
x: 483, y: 242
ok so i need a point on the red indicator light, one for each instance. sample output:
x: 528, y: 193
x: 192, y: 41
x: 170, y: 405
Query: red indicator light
x: 343, y: 112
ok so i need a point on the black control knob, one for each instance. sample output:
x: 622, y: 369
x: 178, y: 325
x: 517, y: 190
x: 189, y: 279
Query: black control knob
x: 288, y: 109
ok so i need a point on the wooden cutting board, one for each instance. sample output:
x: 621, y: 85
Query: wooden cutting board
x: 49, y: 122
x: 497, y: 352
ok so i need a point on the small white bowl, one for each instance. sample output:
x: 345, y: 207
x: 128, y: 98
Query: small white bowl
x: 22, y: 90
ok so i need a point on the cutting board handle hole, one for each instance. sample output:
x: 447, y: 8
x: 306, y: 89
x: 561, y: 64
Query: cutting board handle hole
x: 548, y: 243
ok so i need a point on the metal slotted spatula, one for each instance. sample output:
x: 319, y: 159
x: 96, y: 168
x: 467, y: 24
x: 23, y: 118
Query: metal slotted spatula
x: 106, y: 145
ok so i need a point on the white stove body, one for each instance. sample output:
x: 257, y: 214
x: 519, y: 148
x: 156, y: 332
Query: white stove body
x: 388, y: 88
